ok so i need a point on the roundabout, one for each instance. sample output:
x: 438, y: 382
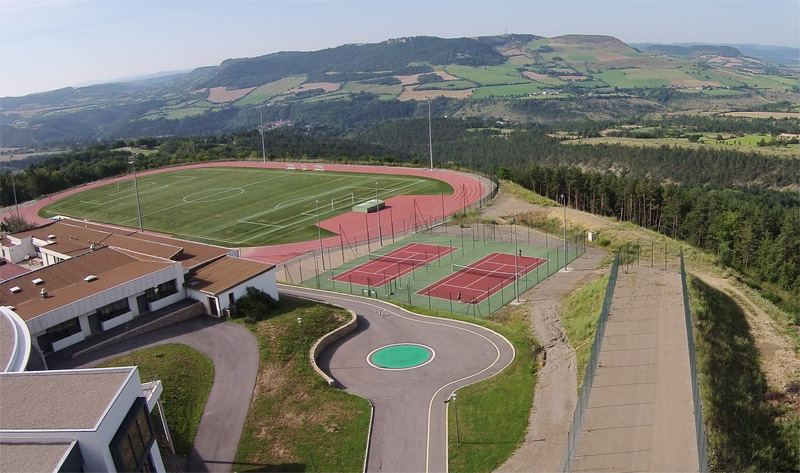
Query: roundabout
x: 401, y: 356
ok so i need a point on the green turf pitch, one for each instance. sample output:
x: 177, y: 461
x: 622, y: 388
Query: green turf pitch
x: 236, y: 207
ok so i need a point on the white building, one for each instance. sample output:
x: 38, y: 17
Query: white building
x: 78, y: 420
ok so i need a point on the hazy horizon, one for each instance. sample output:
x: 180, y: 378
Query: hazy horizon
x: 51, y: 44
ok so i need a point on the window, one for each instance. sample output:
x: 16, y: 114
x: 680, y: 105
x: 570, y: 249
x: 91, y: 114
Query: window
x: 161, y: 291
x: 130, y: 447
x: 60, y: 331
x: 114, y: 309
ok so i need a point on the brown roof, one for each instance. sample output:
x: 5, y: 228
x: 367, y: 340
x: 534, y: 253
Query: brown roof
x: 225, y: 273
x: 11, y: 270
x: 74, y: 237
x: 65, y: 284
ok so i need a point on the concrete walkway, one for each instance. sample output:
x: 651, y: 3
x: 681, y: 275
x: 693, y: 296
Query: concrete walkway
x: 640, y: 415
x: 234, y: 352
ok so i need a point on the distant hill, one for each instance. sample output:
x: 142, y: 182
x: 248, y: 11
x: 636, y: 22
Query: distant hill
x: 776, y: 54
x: 519, y: 78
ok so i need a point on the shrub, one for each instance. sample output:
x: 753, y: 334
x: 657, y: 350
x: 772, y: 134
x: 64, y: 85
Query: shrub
x: 255, y: 305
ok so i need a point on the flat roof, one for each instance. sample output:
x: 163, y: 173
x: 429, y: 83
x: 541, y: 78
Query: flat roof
x: 59, y: 399
x: 65, y: 284
x: 73, y: 237
x: 7, y: 343
x: 33, y: 456
x: 11, y: 270
x: 224, y: 273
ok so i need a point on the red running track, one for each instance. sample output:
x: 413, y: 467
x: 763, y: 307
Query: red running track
x: 398, y: 215
x: 397, y: 263
x: 493, y: 272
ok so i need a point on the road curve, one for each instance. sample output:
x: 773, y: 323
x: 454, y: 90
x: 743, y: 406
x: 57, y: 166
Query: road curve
x: 235, y: 354
x: 409, y: 431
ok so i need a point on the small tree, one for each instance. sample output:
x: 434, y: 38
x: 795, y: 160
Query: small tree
x: 15, y: 223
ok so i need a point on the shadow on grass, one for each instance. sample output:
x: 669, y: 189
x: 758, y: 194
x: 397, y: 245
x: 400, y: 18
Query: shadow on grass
x: 742, y: 433
x: 278, y: 467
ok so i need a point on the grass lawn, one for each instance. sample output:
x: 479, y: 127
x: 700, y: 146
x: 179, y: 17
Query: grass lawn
x: 237, y: 207
x: 187, y: 375
x: 297, y: 422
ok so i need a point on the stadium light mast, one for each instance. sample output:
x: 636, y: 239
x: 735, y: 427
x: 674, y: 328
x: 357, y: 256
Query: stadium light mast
x: 261, y: 132
x: 564, y: 198
x: 378, y: 211
x: 516, y: 258
x: 132, y: 161
x: 319, y: 234
x: 430, y: 131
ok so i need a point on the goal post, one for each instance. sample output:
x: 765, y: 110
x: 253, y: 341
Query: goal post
x: 343, y: 199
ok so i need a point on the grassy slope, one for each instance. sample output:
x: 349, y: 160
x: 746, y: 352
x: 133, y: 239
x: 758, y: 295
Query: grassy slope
x: 296, y: 421
x: 579, y: 314
x: 187, y: 375
x: 743, y: 434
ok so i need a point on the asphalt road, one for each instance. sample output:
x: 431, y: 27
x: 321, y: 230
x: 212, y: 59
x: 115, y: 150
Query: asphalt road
x: 234, y: 352
x: 409, y: 432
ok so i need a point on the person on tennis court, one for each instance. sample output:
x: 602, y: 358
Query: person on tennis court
x: 459, y: 296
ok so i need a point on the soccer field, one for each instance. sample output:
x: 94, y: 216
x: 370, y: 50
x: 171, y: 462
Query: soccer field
x: 237, y: 207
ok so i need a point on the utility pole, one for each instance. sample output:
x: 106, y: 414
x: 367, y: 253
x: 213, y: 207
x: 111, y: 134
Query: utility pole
x: 378, y: 211
x: 319, y: 234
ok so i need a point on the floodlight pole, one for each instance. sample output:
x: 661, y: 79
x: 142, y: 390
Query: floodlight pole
x: 564, y: 198
x: 516, y: 257
x: 455, y: 408
x: 319, y: 234
x: 132, y: 161
x: 430, y: 131
x: 13, y: 186
x: 261, y: 131
x: 378, y: 211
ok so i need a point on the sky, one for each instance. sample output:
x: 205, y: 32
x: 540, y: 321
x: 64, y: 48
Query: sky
x: 50, y: 44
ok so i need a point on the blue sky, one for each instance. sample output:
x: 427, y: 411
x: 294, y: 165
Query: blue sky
x: 49, y: 44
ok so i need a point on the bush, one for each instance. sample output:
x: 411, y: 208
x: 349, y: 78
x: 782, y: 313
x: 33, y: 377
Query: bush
x: 255, y: 305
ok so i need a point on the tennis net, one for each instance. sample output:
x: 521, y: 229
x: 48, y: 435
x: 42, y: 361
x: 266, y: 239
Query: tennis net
x: 457, y: 268
x: 408, y: 261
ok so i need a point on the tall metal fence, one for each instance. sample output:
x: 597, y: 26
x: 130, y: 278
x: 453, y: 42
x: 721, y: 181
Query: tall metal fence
x: 472, y: 242
x: 702, y: 452
x: 583, y: 399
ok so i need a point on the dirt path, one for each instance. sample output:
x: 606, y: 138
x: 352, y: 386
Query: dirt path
x: 555, y: 395
x: 780, y: 364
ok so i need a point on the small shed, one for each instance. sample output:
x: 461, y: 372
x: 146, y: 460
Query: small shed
x: 369, y: 206
x: 218, y: 284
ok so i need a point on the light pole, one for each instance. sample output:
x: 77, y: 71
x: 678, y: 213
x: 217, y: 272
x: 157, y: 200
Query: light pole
x: 261, y: 131
x: 378, y: 211
x: 13, y: 186
x: 430, y: 131
x: 132, y: 161
x: 319, y: 234
x: 516, y: 257
x: 455, y: 407
x: 564, y: 198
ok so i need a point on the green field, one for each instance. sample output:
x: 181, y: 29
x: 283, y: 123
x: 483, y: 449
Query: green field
x: 492, y: 75
x: 506, y: 91
x: 236, y: 207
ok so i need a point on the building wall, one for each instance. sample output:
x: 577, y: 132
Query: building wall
x: 83, y: 308
x: 20, y: 250
x: 265, y: 282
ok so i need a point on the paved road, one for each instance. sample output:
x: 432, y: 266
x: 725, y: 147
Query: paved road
x: 409, y: 430
x: 234, y: 352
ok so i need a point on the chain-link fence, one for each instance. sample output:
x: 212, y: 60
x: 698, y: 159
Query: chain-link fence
x: 461, y: 248
x: 583, y: 398
x: 702, y: 452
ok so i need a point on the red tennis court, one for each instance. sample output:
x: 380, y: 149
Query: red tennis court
x: 476, y: 282
x: 387, y: 267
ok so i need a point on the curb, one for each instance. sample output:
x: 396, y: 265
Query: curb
x: 326, y: 340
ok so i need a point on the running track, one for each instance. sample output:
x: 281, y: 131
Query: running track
x: 468, y: 190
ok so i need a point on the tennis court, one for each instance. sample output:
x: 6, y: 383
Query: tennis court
x: 382, y: 268
x: 478, y: 281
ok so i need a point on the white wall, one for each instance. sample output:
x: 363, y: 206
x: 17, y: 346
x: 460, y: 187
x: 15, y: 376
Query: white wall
x: 265, y: 282
x: 24, y: 247
x: 84, y: 307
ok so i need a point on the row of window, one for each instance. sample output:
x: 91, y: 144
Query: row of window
x: 161, y: 291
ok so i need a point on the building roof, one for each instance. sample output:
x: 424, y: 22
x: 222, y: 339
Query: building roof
x: 74, y: 237
x: 59, y: 399
x: 225, y: 273
x: 34, y: 454
x: 64, y: 282
x: 10, y: 270
x: 8, y: 343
